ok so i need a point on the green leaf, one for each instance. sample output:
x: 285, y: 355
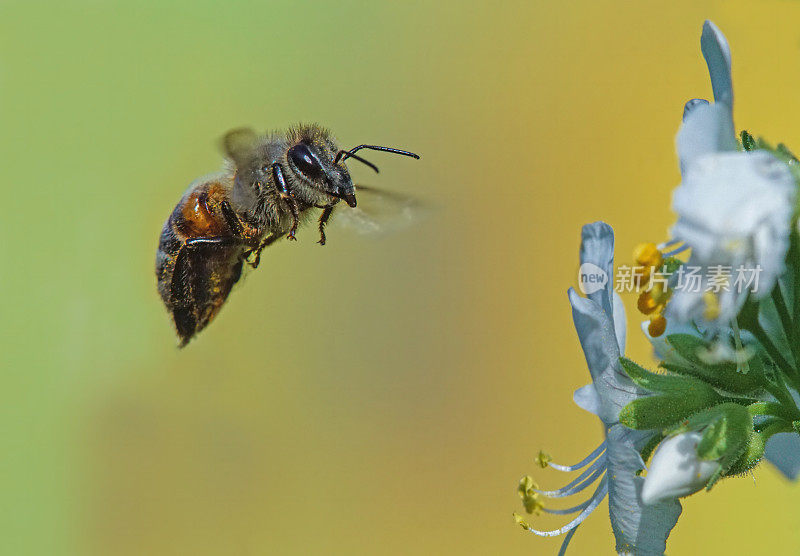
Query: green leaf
x: 660, y: 412
x: 659, y: 382
x: 751, y: 456
x: 762, y: 143
x: 748, y: 141
x: 715, y: 441
x: 677, y: 398
x: 783, y: 150
x: 671, y: 265
x: 727, y: 430
x: 725, y: 376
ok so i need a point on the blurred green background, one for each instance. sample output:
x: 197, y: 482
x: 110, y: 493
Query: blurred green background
x: 378, y: 395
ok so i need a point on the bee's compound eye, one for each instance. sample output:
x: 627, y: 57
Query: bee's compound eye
x: 305, y: 161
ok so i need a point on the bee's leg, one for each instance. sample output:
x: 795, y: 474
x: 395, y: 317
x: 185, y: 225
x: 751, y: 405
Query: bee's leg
x: 213, y: 242
x: 286, y: 195
x: 236, y: 226
x: 323, y: 219
x: 216, y: 242
x: 269, y: 240
x: 233, y: 221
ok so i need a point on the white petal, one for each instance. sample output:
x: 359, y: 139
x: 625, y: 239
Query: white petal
x: 689, y: 107
x: 620, y: 322
x: 586, y: 397
x: 783, y: 451
x: 706, y: 129
x: 718, y: 57
x: 675, y: 469
x: 638, y: 529
x: 597, y: 250
x: 734, y: 209
x: 599, y: 342
x: 728, y: 197
x: 662, y: 350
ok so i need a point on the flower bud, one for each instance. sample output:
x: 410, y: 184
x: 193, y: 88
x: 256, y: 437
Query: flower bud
x: 676, y: 470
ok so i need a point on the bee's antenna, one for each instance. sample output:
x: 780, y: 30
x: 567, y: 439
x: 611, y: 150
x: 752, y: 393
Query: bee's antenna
x: 344, y: 155
x: 367, y: 162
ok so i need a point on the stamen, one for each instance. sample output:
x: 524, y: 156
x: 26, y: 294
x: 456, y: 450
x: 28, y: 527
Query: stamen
x: 648, y: 255
x: 712, y: 306
x: 586, y: 461
x: 521, y: 521
x: 530, y: 499
x: 581, y: 482
x: 568, y: 511
x: 543, y: 459
x: 597, y: 497
x: 677, y: 250
x: 662, y: 246
x: 648, y: 260
x: 646, y: 303
x: 563, y: 550
x: 657, y: 326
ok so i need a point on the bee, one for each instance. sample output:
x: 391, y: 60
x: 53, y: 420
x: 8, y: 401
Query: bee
x: 224, y: 221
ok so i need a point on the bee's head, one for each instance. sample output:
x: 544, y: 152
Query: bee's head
x: 311, y: 162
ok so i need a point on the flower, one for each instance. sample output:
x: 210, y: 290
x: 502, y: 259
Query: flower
x: 782, y: 449
x: 599, y: 321
x: 675, y: 470
x: 734, y: 207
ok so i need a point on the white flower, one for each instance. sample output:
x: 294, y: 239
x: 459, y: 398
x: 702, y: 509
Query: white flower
x: 783, y: 449
x: 675, y: 470
x: 600, y: 323
x: 734, y: 208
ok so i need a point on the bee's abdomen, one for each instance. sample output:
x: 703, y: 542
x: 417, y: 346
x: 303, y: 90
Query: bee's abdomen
x: 199, y: 258
x: 196, y: 216
x: 199, y: 215
x: 168, y: 246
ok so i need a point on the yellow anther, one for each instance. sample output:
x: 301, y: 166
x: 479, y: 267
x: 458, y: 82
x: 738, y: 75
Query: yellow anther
x: 641, y: 276
x: 526, y: 485
x: 657, y: 326
x: 648, y: 255
x: 543, y: 458
x: 533, y: 504
x: 530, y: 498
x: 646, y: 303
x: 658, y: 292
x: 712, y: 306
x: 648, y: 260
x: 521, y: 522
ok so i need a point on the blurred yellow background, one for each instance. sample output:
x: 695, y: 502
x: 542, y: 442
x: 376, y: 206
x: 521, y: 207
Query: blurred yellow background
x: 377, y: 395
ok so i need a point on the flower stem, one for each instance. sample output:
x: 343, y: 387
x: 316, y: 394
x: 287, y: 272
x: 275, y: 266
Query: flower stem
x: 774, y: 409
x: 743, y: 367
x: 774, y: 354
x: 783, y: 312
x: 783, y: 396
x: 794, y: 265
x: 786, y: 320
x: 775, y: 428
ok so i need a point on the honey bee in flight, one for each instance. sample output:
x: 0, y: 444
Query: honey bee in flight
x: 225, y: 220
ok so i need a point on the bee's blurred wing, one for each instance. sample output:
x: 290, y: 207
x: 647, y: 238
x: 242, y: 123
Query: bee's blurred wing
x: 379, y: 211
